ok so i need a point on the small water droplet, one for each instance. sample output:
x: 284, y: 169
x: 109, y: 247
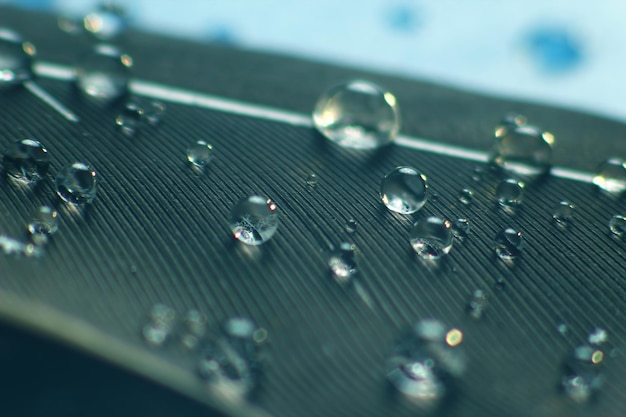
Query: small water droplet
x: 130, y: 119
x: 195, y: 327
x: 509, y: 194
x: 155, y: 335
x: 562, y: 328
x: 254, y: 220
x: 200, y: 154
x: 598, y: 336
x: 403, y: 190
x: 357, y: 114
x: 15, y: 59
x: 102, y: 74
x: 342, y: 264
x: 466, y: 196
x: 431, y: 237
x: 617, y: 226
x: 522, y: 151
x: 76, y: 184
x: 153, y: 112
x: 107, y: 21
x: 508, y: 244
x: 477, y: 304
x: 461, y: 228
x: 425, y: 364
x: 610, y: 176
x: 563, y: 213
x: 311, y: 180
x: 477, y: 174
x: 163, y: 315
x: 44, y: 223
x: 26, y: 161
x: 351, y: 226
x: 582, y: 376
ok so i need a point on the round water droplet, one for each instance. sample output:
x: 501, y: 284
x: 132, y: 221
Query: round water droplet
x: 130, y: 119
x: 358, y: 114
x: 431, y: 237
x: 351, y: 226
x: 102, y: 74
x: 200, y: 154
x: 563, y: 213
x: 617, y: 226
x: 466, y: 196
x: 597, y: 336
x: 76, y: 184
x: 107, y: 21
x: 44, y: 222
x: 610, y: 176
x: 403, y: 190
x: 477, y: 304
x: 254, y: 220
x: 311, y: 180
x: 342, y: 264
x: 509, y: 194
x: 523, y: 151
x: 26, y: 161
x: 461, y: 227
x: 155, y: 335
x: 153, y: 112
x: 478, y: 173
x: 15, y: 59
x: 162, y: 315
x: 508, y: 244
x: 195, y: 326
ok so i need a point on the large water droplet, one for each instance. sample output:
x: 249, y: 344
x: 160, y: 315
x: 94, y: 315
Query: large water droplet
x: 582, y: 375
x: 563, y: 213
x: 200, y: 154
x: 342, y: 264
x: 15, y: 59
x: 598, y: 336
x: 358, y: 114
x: 254, y: 220
x: 102, y: 74
x: 425, y: 363
x: 617, y: 226
x: 432, y: 237
x: 508, y: 244
x: 403, y: 190
x: 509, y: 194
x: 522, y: 151
x: 477, y: 304
x: 610, y: 176
x: 76, y: 184
x: 466, y: 196
x: 107, y: 21
x: 26, y: 161
x: 130, y: 119
x: 44, y: 223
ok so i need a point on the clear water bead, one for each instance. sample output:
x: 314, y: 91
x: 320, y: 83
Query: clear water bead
x: 43, y: 223
x: 466, y: 196
x: 76, y: 184
x: 432, y: 237
x: 200, y: 154
x: 15, y: 59
x: 311, y: 180
x: 617, y: 226
x: 153, y: 112
x: 461, y: 227
x: 358, y: 114
x: 130, y: 119
x: 508, y: 244
x: 26, y: 161
x: 509, y: 193
x: 563, y: 213
x: 404, y: 190
x: 610, y: 176
x: 254, y: 220
x: 107, y: 21
x: 102, y: 74
x: 342, y: 264
x: 522, y: 151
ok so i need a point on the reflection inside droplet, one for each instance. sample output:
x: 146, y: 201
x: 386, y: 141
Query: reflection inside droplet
x: 403, y: 190
x: 76, y: 184
x: 15, y: 59
x: 342, y: 264
x: 102, y: 73
x: 522, y: 151
x: 508, y: 244
x: 26, y: 161
x: 610, y: 176
x: 254, y: 220
x: 431, y: 237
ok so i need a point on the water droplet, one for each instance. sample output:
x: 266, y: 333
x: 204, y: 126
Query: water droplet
x: 26, y: 161
x: 160, y: 326
x: 311, y: 180
x: 153, y: 112
x: 351, y: 226
x: 403, y: 190
x: 195, y: 327
x: 44, y: 222
x: 254, y: 220
x: 466, y: 196
x: 200, y: 154
x: 357, y: 114
x: 563, y: 213
x: 508, y: 244
x: 12, y: 246
x: 76, y: 184
x: 130, y: 119
x: 610, y: 176
x: 431, y: 237
x: 478, y: 173
x: 509, y: 194
x: 155, y: 335
x: 597, y: 336
x: 425, y: 363
x: 582, y: 375
x: 107, y: 21
x: 477, y: 304
x: 15, y: 59
x: 342, y: 264
x: 102, y: 74
x: 617, y: 226
x: 514, y: 119
x: 523, y: 151
x: 162, y: 315
x: 461, y: 227
x: 562, y: 328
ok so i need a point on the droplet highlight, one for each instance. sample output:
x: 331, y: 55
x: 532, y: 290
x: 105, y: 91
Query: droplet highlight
x: 610, y: 176
x: 508, y: 244
x: 351, y: 226
x: 404, y: 190
x: 509, y: 194
x: 102, y: 74
x: 466, y: 196
x: 26, y: 161
x: 431, y: 237
x: 522, y: 151
x: 254, y: 220
x: 617, y: 226
x: 598, y: 336
x: 76, y: 184
x: 130, y: 119
x: 43, y: 224
x: 200, y: 154
x: 358, y: 114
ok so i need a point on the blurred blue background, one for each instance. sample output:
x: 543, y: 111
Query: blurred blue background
x: 566, y: 53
